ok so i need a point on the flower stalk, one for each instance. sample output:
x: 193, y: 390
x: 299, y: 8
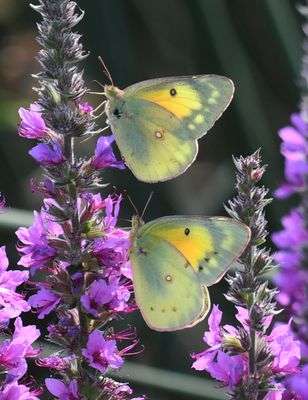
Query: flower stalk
x: 248, y: 359
x: 74, y: 238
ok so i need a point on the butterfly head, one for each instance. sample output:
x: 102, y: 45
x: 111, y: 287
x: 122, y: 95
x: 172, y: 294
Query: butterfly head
x: 115, y: 103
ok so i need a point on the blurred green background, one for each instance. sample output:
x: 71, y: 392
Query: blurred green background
x: 256, y: 43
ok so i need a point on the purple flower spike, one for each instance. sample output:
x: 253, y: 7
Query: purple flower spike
x: 47, y: 154
x: 104, y: 157
x: 32, y: 125
x: 102, y: 353
x: 61, y: 391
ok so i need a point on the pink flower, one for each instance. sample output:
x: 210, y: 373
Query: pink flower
x: 102, y: 353
x: 32, y: 125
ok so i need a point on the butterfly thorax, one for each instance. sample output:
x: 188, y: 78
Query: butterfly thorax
x: 137, y: 223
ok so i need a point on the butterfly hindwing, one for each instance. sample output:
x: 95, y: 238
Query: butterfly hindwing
x: 166, y: 287
x: 210, y: 244
x: 153, y: 142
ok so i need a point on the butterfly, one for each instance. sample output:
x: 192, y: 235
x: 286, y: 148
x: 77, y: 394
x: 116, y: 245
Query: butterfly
x: 174, y: 259
x: 156, y: 123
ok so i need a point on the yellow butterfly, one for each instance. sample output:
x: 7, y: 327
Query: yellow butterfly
x: 174, y: 259
x: 156, y: 123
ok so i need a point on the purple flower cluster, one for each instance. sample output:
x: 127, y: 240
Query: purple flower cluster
x: 84, y: 254
x: 227, y: 361
x: 291, y: 241
x: 17, y: 346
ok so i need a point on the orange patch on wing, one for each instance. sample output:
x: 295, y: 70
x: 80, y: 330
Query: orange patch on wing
x: 194, y: 246
x: 182, y: 104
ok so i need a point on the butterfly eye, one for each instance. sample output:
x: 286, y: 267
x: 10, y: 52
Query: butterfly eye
x: 116, y: 113
x: 172, y: 92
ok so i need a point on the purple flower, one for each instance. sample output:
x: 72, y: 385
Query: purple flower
x: 44, y: 302
x: 102, y: 353
x: 298, y: 383
x: 47, y: 154
x: 61, y: 390
x: 295, y: 149
x: 85, y: 108
x: 55, y: 362
x: 285, y: 349
x: 13, y: 352
x: 294, y: 233
x: 34, y: 243
x: 32, y: 125
x: 228, y: 369
x: 11, y: 303
x: 103, y: 156
x: 213, y: 338
x: 291, y: 279
x: 13, y: 391
x: 2, y: 201
x: 99, y: 294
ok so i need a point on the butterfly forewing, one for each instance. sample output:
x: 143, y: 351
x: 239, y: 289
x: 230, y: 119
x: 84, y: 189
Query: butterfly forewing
x: 197, y: 101
x: 166, y: 287
x: 209, y: 244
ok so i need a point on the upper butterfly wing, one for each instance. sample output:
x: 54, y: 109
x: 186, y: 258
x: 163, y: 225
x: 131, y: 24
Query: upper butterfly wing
x: 153, y: 141
x: 210, y: 244
x: 198, y: 101
x: 166, y: 287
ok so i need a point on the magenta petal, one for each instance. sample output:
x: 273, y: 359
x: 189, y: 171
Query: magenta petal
x: 56, y: 387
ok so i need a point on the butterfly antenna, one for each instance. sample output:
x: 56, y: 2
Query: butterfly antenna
x: 146, y: 204
x: 106, y: 71
x: 132, y: 203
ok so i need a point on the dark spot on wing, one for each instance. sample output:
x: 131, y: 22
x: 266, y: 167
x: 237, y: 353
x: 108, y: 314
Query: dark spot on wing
x: 200, y: 268
x: 172, y: 92
x: 187, y: 231
x: 152, y: 308
x: 174, y: 309
x: 207, y: 259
